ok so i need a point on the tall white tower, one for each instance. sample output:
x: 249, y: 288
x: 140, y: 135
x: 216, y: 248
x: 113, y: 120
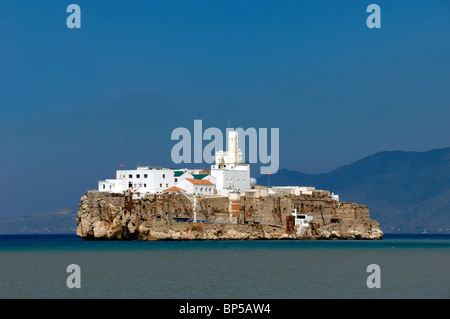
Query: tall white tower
x: 230, y: 174
x: 233, y: 155
x: 232, y: 151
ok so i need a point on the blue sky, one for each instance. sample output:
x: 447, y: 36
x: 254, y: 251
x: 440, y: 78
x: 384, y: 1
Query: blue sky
x: 75, y: 103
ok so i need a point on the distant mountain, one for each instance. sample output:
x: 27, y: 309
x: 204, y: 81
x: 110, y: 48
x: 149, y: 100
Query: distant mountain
x: 59, y: 222
x: 405, y: 191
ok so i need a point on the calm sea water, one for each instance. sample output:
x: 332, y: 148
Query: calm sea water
x: 412, y: 266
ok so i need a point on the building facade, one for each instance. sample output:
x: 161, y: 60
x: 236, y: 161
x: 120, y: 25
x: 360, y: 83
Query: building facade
x: 144, y: 179
x: 230, y: 173
x: 227, y: 175
x: 197, y: 186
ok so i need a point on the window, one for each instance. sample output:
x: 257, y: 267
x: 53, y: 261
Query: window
x: 130, y: 176
x: 138, y: 176
x: 160, y: 185
x: 145, y: 185
x: 176, y: 180
x: 130, y: 185
x: 239, y: 181
x: 103, y: 186
x: 164, y: 175
x: 167, y: 185
x: 145, y: 175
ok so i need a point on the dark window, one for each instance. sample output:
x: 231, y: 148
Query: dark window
x: 145, y: 185
x: 164, y: 175
x: 130, y: 176
x: 138, y: 176
x: 145, y: 175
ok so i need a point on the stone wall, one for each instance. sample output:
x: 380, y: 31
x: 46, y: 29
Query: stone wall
x: 157, y: 217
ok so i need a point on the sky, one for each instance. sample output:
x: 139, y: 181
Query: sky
x: 76, y: 103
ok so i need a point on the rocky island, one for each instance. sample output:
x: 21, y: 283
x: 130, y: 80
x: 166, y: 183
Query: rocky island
x: 256, y: 215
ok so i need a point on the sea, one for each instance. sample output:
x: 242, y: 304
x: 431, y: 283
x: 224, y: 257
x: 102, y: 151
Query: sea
x: 400, y: 266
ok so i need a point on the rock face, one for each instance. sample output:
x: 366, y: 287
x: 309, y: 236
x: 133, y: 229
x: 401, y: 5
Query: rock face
x: 164, y: 217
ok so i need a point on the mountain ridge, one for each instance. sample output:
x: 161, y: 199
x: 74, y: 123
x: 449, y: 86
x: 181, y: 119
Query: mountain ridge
x: 406, y: 192
x: 399, y: 187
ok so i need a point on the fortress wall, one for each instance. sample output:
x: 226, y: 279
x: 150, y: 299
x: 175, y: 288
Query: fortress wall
x: 105, y: 216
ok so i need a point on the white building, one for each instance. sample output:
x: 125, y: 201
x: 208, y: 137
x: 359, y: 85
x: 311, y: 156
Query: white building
x: 144, y: 179
x: 230, y: 173
x: 156, y: 180
x: 197, y: 186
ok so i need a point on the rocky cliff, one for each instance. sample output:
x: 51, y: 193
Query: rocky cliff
x: 165, y: 217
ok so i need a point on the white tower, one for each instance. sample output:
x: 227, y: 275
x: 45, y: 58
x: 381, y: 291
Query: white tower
x: 230, y: 174
x: 232, y: 151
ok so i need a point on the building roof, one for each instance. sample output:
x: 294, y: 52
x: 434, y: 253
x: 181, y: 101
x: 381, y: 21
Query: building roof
x: 174, y: 189
x: 199, y: 181
x: 178, y: 173
x: 199, y: 176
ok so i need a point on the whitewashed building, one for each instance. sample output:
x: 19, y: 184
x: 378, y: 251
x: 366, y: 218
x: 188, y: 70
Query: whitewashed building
x: 230, y: 173
x: 144, y: 179
x: 156, y: 180
x: 197, y: 186
x: 227, y: 175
